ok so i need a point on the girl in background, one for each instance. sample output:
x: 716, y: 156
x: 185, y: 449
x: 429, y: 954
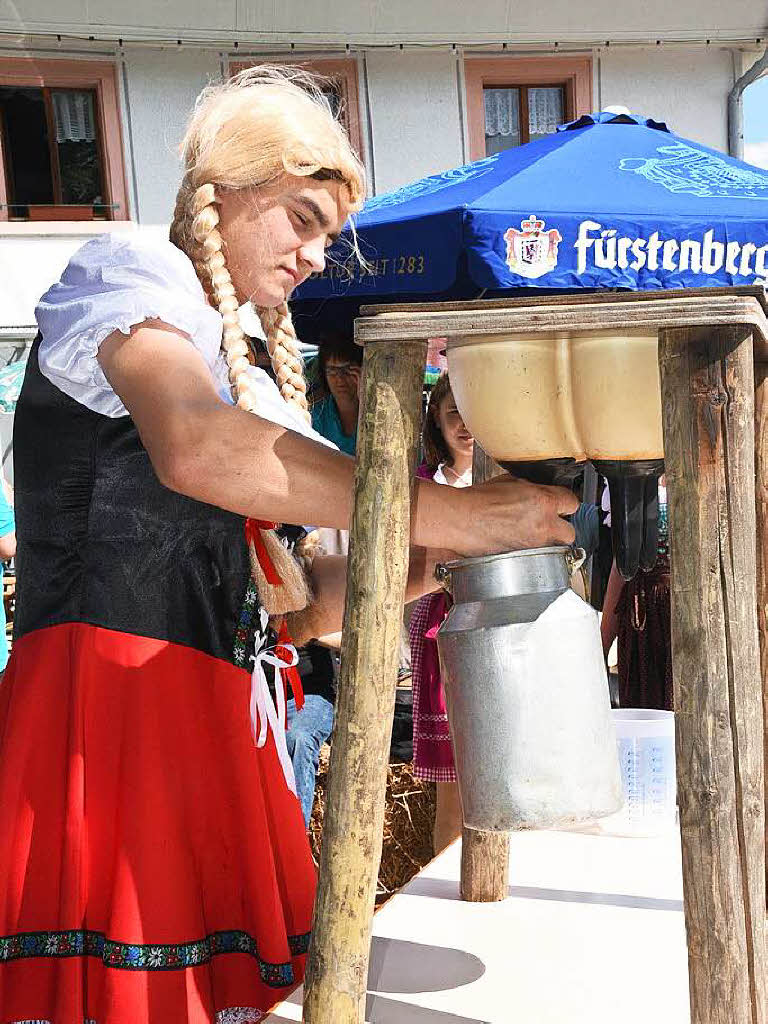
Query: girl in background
x: 448, y: 450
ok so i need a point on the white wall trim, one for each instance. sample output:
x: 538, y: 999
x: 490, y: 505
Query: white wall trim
x: 366, y: 133
x: 129, y: 164
x: 96, y: 35
x: 63, y: 228
x: 46, y: 46
x: 461, y: 85
x: 597, y: 83
x: 22, y: 331
x: 291, y: 55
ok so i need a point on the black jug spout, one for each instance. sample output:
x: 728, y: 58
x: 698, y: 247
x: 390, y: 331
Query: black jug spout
x: 634, y: 490
x: 633, y: 485
x: 563, y: 472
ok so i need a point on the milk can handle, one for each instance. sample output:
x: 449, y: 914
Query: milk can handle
x: 443, y: 576
x: 574, y: 559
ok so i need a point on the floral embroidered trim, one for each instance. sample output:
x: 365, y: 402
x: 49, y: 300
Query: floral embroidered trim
x: 239, y: 1015
x: 246, y: 626
x: 167, y: 957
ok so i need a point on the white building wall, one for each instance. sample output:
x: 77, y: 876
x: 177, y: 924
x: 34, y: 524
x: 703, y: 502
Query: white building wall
x: 415, y: 107
x: 415, y: 116
x: 686, y: 87
x: 410, y: 97
x: 160, y: 89
x: 32, y: 257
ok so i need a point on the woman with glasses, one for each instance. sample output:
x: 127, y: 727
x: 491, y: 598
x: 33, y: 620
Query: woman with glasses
x: 334, y: 414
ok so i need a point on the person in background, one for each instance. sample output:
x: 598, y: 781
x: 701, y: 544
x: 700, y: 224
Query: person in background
x: 637, y: 611
x: 448, y: 450
x: 334, y: 413
x: 310, y: 727
x: 334, y: 408
x: 7, y: 550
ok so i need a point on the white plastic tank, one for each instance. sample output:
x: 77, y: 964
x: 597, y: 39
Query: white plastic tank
x: 581, y: 395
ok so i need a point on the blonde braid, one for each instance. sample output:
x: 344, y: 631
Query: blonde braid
x: 288, y: 366
x: 208, y: 257
x: 283, y: 348
x: 212, y: 268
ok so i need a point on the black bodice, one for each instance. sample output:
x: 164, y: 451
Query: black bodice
x: 102, y: 541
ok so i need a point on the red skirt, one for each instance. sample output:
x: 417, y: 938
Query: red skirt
x: 154, y: 867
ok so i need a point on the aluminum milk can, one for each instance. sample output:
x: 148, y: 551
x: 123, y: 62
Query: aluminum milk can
x: 527, y: 693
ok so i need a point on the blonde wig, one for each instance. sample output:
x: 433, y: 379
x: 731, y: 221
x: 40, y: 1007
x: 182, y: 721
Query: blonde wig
x: 244, y: 134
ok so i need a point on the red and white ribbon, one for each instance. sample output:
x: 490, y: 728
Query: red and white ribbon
x: 253, y: 529
x: 271, y: 714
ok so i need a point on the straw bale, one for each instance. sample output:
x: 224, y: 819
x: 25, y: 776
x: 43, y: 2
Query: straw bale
x: 408, y: 820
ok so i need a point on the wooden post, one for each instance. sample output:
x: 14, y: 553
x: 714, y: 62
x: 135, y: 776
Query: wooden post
x: 484, y: 866
x: 761, y: 496
x: 484, y: 855
x: 390, y: 416
x: 708, y: 402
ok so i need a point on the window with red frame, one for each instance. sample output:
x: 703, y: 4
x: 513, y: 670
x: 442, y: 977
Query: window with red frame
x: 514, y: 100
x: 53, y: 153
x: 340, y: 87
x: 515, y: 115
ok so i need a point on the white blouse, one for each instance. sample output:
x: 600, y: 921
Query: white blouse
x: 116, y: 281
x: 461, y: 480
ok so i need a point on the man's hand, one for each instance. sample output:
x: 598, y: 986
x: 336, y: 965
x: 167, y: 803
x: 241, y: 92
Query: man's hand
x: 503, y: 514
x: 507, y: 514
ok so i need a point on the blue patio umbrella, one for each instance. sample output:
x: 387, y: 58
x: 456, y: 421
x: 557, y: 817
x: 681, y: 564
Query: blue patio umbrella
x: 607, y: 201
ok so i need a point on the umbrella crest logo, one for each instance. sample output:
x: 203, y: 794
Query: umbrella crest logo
x: 532, y: 251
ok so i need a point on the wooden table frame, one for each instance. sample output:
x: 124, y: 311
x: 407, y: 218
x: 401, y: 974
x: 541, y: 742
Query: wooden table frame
x: 715, y: 408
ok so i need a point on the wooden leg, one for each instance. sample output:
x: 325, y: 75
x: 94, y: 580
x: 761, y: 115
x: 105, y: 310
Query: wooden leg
x: 708, y: 401
x: 761, y: 496
x: 390, y: 416
x: 484, y: 866
x: 484, y: 855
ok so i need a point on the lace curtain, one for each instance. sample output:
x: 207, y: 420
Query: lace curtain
x: 502, y: 111
x: 545, y: 110
x: 73, y: 116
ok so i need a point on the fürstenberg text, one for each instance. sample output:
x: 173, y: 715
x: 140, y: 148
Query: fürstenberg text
x: 610, y: 250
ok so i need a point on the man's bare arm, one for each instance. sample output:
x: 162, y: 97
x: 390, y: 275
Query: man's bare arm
x: 214, y: 452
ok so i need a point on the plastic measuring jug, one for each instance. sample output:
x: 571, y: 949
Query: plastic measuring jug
x: 646, y: 747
